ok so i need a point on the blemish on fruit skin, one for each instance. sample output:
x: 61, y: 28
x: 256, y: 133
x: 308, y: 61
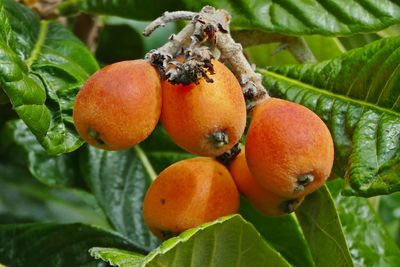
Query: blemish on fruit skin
x: 163, y: 201
x: 95, y: 136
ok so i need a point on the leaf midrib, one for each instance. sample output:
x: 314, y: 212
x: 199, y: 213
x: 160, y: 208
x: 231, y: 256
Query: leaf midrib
x: 327, y: 93
x: 44, y: 26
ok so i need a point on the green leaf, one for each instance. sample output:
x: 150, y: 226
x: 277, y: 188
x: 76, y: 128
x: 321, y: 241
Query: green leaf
x: 366, y: 235
x: 119, y: 181
x: 117, y: 257
x: 323, y: 231
x: 23, y: 198
x: 389, y: 211
x: 42, y: 67
x: 61, y: 170
x: 162, y: 151
x: 358, y: 40
x: 136, y: 9
x: 132, y: 44
x: 288, y: 17
x: 55, y: 245
x: 357, y: 96
x: 228, y: 241
x: 283, y: 233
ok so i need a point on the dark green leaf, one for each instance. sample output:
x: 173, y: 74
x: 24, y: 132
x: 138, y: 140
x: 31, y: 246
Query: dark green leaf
x: 55, y: 245
x: 358, y: 40
x: 369, y: 242
x: 336, y: 17
x: 132, y: 44
x: 389, y: 211
x: 228, y: 241
x: 323, y: 231
x: 357, y: 96
x: 283, y: 233
x: 42, y: 66
x: 162, y: 151
x: 23, y: 198
x: 119, y: 181
x: 61, y: 170
x: 135, y: 9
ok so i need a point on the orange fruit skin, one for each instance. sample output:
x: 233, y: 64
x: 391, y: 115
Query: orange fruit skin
x: 191, y: 113
x: 263, y: 200
x: 187, y: 194
x: 121, y: 103
x: 284, y: 142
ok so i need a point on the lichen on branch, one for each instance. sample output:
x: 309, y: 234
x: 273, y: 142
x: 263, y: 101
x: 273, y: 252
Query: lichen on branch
x: 187, y: 56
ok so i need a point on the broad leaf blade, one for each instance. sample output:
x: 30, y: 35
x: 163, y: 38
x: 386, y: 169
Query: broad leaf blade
x: 55, y: 245
x: 228, y: 241
x: 366, y: 235
x: 22, y: 198
x: 43, y: 65
x: 283, y: 233
x: 357, y: 96
x: 323, y: 231
x: 136, y: 9
x: 117, y: 257
x: 60, y: 170
x: 119, y: 181
x: 288, y: 17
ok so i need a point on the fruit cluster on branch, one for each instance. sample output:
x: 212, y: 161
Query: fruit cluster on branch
x: 202, y: 106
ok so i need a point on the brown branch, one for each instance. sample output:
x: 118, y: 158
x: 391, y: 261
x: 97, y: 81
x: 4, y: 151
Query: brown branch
x: 86, y: 28
x: 166, y: 18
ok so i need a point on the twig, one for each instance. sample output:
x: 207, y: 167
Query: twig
x: 166, y: 18
x: 86, y: 27
x: 208, y: 25
x: 300, y: 50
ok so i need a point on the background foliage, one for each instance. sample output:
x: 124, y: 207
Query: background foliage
x: 60, y: 198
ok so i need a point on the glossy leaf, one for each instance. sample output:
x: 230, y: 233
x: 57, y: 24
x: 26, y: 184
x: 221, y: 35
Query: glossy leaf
x: 337, y: 17
x: 357, y: 96
x: 136, y: 9
x: 228, y: 241
x: 22, y: 198
x: 119, y: 181
x: 283, y: 233
x: 61, y: 170
x: 162, y: 151
x: 323, y: 231
x: 117, y: 257
x: 42, y: 66
x: 366, y: 235
x: 55, y: 245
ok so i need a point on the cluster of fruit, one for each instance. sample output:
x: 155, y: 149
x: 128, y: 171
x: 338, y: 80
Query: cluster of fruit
x: 288, y: 152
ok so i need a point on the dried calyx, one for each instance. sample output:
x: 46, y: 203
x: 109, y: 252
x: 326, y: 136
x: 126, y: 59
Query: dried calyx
x: 206, y: 37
